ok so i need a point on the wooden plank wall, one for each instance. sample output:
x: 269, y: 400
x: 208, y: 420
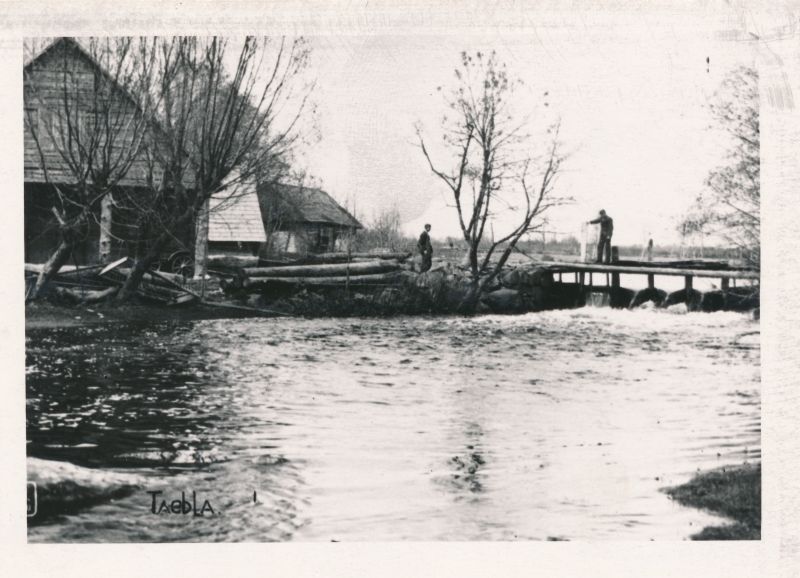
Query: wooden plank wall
x: 62, y: 72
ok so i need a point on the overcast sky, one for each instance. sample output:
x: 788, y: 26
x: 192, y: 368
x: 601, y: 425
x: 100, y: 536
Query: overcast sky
x: 631, y: 91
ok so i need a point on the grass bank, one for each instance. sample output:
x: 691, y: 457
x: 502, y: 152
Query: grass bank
x: 734, y: 492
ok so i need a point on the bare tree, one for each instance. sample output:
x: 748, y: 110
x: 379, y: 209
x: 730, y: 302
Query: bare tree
x: 221, y: 126
x: 280, y: 198
x: 383, y: 232
x: 493, y: 171
x: 87, y: 129
x: 731, y: 204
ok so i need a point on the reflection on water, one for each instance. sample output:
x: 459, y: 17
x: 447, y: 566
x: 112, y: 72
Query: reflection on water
x: 559, y: 425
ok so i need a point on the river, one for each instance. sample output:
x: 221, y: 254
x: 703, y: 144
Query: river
x: 553, y: 425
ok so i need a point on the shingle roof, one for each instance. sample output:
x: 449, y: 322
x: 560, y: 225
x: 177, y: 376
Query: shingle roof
x: 296, y: 204
x: 236, y: 216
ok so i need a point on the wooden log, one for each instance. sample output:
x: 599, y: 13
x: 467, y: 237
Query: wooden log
x: 337, y: 270
x: 36, y: 268
x: 84, y: 295
x: 89, y: 284
x: 278, y: 263
x: 325, y: 258
x: 159, y: 278
x: 371, y: 279
x: 232, y: 261
x: 155, y: 286
x: 167, y: 293
x: 112, y: 266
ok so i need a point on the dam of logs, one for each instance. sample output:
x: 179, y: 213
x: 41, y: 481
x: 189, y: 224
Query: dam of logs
x: 532, y: 286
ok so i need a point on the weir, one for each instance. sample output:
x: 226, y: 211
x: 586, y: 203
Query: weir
x: 587, y: 275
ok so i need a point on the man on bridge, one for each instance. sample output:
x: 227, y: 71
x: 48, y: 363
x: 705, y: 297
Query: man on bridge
x: 604, y: 242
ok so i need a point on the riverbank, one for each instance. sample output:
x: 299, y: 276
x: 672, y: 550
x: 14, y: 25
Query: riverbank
x: 734, y: 492
x: 45, y: 315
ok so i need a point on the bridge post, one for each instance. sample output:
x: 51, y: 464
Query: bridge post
x: 688, y: 284
x: 651, y: 281
x: 726, y: 283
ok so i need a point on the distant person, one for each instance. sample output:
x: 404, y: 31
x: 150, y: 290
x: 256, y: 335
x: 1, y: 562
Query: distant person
x: 604, y: 242
x: 649, y: 250
x: 425, y: 249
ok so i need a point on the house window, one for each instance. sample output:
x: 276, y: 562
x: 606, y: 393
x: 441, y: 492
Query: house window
x: 323, y: 239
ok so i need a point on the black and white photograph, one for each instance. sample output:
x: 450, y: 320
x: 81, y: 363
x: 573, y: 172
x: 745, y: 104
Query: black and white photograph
x: 440, y: 284
x: 295, y: 289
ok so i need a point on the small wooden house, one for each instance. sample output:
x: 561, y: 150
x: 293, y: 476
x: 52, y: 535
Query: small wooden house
x: 302, y: 220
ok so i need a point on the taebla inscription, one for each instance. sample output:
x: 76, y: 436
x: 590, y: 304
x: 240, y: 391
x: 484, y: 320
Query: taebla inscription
x: 160, y: 504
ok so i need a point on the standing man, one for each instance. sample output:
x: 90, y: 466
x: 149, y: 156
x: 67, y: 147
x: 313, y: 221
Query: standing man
x: 606, y: 231
x: 647, y: 252
x: 425, y: 249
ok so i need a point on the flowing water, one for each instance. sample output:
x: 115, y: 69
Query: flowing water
x: 554, y: 425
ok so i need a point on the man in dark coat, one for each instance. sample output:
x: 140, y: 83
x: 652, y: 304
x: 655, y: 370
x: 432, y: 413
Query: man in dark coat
x: 425, y: 249
x: 604, y: 242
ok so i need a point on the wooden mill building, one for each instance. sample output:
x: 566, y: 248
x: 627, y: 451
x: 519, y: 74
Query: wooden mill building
x: 79, y: 120
x: 68, y: 96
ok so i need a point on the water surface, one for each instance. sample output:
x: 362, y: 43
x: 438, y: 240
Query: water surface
x: 554, y: 425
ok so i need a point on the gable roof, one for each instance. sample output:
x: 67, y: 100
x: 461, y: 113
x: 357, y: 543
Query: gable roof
x: 296, y: 204
x: 235, y: 215
x: 72, y: 43
x: 153, y: 125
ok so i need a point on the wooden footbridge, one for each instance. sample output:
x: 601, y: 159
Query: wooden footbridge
x: 585, y: 272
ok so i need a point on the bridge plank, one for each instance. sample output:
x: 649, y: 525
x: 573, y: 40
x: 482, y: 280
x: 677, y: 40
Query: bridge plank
x: 716, y: 273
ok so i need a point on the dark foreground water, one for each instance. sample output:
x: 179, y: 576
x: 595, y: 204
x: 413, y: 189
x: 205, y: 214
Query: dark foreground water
x: 562, y: 424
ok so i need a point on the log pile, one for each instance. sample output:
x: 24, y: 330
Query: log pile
x: 95, y: 283
x: 326, y: 270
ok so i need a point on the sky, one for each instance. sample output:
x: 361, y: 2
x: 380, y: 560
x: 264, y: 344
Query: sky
x: 631, y: 90
x: 632, y: 93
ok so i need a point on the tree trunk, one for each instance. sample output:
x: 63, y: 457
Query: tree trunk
x: 141, y: 266
x: 473, y: 260
x: 50, y: 269
x: 105, y: 229
x: 201, y: 242
x: 470, y: 301
x: 134, y: 278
